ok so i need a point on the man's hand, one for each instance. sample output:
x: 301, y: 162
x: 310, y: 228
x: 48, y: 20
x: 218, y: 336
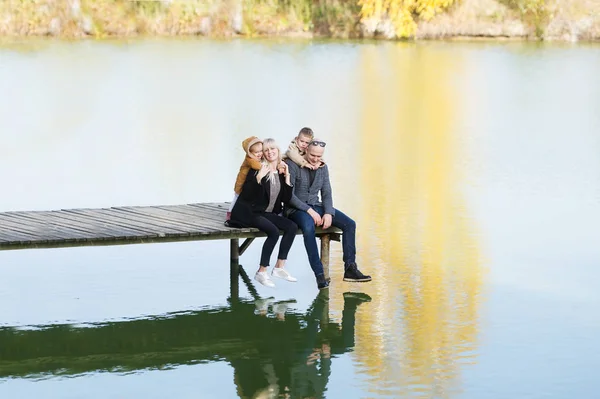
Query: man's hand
x: 262, y: 173
x: 316, y: 217
x: 326, y: 221
x: 311, y: 166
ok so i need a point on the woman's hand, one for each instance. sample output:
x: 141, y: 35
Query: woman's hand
x: 283, y: 168
x: 264, y: 169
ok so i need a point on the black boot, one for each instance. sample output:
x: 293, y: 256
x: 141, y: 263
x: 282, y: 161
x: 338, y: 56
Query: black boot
x: 356, y: 298
x: 322, y: 283
x: 353, y: 275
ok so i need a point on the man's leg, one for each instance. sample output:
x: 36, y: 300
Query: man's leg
x: 307, y: 225
x: 348, y: 227
x: 351, y: 302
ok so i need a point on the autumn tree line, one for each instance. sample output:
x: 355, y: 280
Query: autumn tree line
x: 390, y: 19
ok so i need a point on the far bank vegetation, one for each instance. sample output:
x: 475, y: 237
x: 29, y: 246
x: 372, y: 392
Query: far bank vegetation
x: 570, y: 20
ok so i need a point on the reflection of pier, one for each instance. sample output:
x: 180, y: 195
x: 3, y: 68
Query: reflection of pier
x: 294, y: 352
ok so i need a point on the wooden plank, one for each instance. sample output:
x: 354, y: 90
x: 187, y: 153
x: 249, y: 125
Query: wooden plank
x: 34, y: 229
x: 325, y: 254
x: 199, y: 223
x: 216, y: 210
x: 198, y: 213
x: 14, y: 237
x: 165, y: 216
x: 214, y: 213
x: 130, y: 240
x: 139, y: 215
x: 37, y: 231
x: 245, y: 245
x: 99, y: 216
x: 7, y: 233
x: 148, y: 219
x: 90, y: 226
x: 190, y: 212
x: 222, y: 206
x: 208, y: 215
x: 51, y: 221
x: 196, y: 218
x: 206, y: 219
x: 105, y: 224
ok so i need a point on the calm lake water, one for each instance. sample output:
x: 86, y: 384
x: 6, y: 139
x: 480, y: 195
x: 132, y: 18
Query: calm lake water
x: 472, y: 170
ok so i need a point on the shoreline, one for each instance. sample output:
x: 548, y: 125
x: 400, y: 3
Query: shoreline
x: 300, y: 37
x: 566, y: 21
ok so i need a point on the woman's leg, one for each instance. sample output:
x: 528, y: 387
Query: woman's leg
x: 289, y: 233
x: 265, y: 225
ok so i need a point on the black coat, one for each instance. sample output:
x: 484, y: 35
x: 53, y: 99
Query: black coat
x: 254, y: 199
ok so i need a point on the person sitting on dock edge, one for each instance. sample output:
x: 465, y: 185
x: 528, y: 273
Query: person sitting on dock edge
x: 260, y: 205
x: 305, y: 209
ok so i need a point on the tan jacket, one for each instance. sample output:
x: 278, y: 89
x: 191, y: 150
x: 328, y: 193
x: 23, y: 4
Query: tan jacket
x: 250, y: 162
x: 295, y: 154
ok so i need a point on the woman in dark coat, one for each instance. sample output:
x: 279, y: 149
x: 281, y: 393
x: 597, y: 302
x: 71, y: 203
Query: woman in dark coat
x: 260, y: 205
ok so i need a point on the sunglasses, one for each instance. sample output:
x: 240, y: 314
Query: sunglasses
x: 321, y: 143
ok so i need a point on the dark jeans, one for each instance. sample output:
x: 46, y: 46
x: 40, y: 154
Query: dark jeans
x: 340, y: 220
x: 271, y: 223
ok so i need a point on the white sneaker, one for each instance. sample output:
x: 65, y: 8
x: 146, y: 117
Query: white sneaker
x: 280, y: 272
x: 263, y: 278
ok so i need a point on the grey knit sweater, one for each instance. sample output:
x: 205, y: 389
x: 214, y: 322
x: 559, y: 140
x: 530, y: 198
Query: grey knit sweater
x: 306, y: 195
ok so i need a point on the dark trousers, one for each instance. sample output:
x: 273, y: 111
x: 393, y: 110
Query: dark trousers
x: 270, y: 224
x: 341, y: 221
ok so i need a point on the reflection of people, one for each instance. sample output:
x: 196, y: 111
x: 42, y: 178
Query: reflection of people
x: 291, y: 356
x: 279, y: 307
x: 260, y: 204
x: 253, y: 148
x: 310, y: 375
x: 307, y: 211
x: 296, y: 360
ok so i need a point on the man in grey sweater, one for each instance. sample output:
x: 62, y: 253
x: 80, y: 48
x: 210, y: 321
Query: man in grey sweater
x: 307, y: 211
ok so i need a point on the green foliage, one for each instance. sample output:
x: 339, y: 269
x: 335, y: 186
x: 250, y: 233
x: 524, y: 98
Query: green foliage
x: 535, y: 13
x: 327, y: 17
x: 146, y: 7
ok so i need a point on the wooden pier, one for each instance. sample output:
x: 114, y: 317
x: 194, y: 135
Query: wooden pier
x: 135, y: 225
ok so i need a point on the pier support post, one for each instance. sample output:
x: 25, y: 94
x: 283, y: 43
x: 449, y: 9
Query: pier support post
x: 325, y: 239
x: 234, y: 268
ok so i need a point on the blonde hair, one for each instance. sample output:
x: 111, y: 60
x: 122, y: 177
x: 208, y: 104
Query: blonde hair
x: 271, y: 143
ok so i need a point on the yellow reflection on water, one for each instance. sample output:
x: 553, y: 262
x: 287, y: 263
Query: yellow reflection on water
x: 415, y: 235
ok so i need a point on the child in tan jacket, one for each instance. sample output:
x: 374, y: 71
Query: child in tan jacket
x: 298, y: 147
x: 254, y: 152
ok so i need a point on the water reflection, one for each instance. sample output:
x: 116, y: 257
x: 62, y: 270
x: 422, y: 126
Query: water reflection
x: 440, y: 151
x: 273, y: 349
x: 417, y: 234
